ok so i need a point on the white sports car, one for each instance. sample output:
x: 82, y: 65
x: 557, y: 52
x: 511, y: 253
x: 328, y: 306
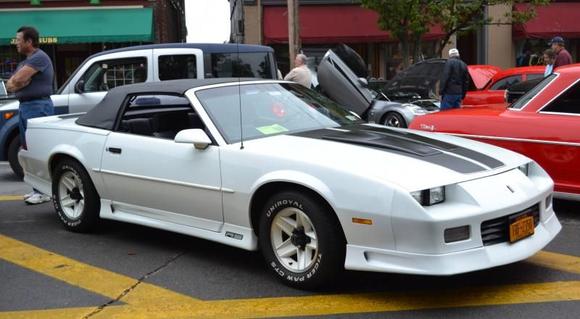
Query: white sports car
x: 273, y: 166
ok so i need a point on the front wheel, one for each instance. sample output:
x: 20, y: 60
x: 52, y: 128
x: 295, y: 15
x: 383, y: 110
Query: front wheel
x: 13, y: 149
x: 394, y: 120
x: 301, y: 240
x: 75, y: 198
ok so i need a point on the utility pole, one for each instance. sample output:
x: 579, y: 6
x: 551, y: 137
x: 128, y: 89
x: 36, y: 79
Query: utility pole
x: 260, y: 21
x: 293, y: 30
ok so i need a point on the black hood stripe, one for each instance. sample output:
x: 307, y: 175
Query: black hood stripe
x: 440, y: 153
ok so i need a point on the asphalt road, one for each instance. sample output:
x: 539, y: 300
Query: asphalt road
x: 128, y: 271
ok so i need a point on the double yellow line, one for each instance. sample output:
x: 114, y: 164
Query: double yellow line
x: 148, y: 301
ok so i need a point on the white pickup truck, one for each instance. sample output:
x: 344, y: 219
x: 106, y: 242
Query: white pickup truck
x: 147, y: 63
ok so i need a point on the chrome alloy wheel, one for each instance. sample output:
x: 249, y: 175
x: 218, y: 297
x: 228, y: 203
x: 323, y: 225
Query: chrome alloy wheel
x: 294, y: 240
x: 71, y: 195
x: 393, y: 122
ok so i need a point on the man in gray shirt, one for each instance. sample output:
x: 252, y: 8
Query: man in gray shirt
x: 32, y: 83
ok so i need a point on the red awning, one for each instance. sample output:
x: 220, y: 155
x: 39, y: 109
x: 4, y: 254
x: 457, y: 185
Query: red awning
x: 329, y: 24
x: 560, y: 18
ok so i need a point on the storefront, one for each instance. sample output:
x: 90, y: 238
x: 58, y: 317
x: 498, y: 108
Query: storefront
x: 71, y: 35
x: 324, y: 26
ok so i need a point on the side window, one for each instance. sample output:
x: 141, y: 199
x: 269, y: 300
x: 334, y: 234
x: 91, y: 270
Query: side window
x: 158, y: 115
x: 568, y: 102
x: 250, y: 65
x: 533, y: 76
x: 505, y: 83
x: 173, y: 67
x: 105, y: 75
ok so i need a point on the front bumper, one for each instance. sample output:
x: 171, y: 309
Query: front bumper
x: 383, y: 260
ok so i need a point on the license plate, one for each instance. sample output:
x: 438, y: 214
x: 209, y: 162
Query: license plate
x: 521, y: 228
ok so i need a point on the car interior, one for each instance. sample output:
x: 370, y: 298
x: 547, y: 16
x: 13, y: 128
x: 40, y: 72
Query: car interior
x: 150, y: 116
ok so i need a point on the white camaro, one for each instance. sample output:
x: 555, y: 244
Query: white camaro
x: 275, y: 166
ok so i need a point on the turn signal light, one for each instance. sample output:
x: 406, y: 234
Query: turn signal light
x: 363, y: 221
x: 8, y: 115
x: 456, y: 234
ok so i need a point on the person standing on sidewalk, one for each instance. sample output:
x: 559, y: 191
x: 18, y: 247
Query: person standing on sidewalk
x: 454, y: 82
x: 32, y: 84
x: 549, y: 58
x: 563, y: 57
x: 300, y: 74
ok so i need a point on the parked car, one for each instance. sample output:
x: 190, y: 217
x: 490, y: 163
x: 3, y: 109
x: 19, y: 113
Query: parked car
x: 543, y: 124
x: 5, y: 97
x: 276, y: 166
x: 342, y: 76
x: 147, y: 63
x: 494, y: 90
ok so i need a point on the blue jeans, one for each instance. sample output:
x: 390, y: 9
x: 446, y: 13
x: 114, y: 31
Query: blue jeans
x: 450, y: 101
x: 31, y: 109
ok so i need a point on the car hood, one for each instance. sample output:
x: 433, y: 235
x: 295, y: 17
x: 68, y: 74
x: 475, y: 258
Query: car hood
x: 482, y: 74
x: 412, y: 160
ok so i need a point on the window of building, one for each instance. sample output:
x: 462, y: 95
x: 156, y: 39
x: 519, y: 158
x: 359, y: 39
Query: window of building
x: 505, y: 83
x: 173, y: 67
x: 568, y: 102
x: 105, y: 75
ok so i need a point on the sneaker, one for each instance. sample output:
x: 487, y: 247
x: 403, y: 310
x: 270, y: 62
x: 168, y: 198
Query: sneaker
x: 37, y: 198
x: 26, y: 196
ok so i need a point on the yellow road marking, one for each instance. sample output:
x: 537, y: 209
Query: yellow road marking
x: 149, y: 301
x: 88, y: 277
x: 10, y: 197
x: 556, y: 261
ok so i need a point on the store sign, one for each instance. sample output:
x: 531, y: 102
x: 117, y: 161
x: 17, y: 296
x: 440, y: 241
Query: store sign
x: 41, y: 40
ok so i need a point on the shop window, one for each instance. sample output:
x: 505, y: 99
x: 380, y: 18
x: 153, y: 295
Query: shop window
x: 105, y: 75
x: 505, y: 83
x: 173, y: 67
x: 568, y: 102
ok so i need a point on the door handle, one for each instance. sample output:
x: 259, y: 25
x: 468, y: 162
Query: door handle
x: 114, y: 150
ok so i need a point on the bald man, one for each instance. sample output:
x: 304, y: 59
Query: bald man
x: 300, y: 74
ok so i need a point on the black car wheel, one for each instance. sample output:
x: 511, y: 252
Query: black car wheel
x: 13, y: 149
x: 75, y: 198
x: 301, y: 240
x: 395, y: 120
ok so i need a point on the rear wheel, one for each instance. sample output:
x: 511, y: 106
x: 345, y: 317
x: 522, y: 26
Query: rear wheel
x: 395, y: 120
x: 301, y: 240
x: 13, y: 149
x: 75, y: 198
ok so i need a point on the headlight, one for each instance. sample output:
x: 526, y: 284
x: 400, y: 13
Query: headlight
x: 428, y: 197
x: 525, y: 169
x: 417, y: 110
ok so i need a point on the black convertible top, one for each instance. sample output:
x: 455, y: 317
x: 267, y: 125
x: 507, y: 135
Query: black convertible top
x: 104, y: 114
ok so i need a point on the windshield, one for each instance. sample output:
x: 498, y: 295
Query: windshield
x: 270, y: 109
x: 521, y: 102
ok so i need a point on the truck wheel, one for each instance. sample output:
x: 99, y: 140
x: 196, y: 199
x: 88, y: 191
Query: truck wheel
x: 13, y: 149
x: 394, y: 120
x: 301, y: 240
x: 74, y: 196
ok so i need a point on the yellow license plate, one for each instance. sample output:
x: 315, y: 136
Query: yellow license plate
x: 521, y: 228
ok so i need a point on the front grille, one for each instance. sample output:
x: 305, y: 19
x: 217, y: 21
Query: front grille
x: 496, y: 230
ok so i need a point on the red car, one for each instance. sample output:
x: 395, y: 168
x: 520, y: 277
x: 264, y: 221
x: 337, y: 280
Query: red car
x: 493, y: 90
x: 544, y: 124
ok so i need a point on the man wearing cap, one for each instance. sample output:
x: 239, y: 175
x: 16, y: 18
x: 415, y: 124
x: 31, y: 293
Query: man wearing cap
x: 454, y: 82
x: 563, y: 57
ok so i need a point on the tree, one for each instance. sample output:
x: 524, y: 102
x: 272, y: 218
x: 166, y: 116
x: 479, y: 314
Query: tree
x: 409, y: 20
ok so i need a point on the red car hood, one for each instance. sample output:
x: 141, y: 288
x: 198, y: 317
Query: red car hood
x: 481, y: 74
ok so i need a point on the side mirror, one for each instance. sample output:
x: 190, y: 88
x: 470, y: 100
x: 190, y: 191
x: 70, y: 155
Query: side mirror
x: 363, y: 82
x: 80, y: 87
x: 195, y: 136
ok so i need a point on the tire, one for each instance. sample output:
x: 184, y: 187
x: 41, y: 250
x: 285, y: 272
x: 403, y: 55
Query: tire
x: 307, y: 261
x: 74, y: 196
x: 13, y: 149
x: 394, y: 120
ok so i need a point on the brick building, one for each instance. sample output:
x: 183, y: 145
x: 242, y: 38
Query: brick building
x: 71, y: 30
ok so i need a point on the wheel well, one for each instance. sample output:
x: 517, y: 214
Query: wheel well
x: 267, y: 190
x: 56, y: 158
